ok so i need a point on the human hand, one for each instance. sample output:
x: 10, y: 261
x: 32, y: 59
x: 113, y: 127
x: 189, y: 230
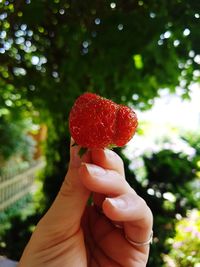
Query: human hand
x: 75, y: 234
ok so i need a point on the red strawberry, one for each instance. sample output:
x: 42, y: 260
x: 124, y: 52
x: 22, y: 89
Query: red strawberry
x: 96, y: 122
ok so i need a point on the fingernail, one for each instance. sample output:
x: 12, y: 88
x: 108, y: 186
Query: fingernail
x: 117, y: 202
x: 94, y: 169
x: 109, y: 153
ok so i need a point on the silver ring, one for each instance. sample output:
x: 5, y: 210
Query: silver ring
x: 140, y: 244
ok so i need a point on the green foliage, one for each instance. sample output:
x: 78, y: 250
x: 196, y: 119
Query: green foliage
x: 174, y: 173
x: 18, y: 221
x: 16, y: 226
x: 170, y: 188
x: 45, y: 54
x: 15, y: 122
x: 171, y: 178
x: 193, y: 138
x: 185, y: 245
x: 14, y: 139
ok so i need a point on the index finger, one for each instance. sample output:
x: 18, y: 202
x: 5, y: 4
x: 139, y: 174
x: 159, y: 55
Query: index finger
x: 108, y: 160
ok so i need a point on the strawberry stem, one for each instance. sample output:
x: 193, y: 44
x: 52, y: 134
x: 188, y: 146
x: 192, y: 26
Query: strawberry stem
x: 111, y: 146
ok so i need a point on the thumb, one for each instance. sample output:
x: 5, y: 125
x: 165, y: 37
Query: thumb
x: 68, y: 207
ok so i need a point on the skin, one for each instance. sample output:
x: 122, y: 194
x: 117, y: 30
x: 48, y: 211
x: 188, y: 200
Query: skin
x: 73, y: 233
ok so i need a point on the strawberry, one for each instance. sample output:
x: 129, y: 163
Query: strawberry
x: 96, y: 122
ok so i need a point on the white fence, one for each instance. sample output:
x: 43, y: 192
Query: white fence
x: 15, y: 187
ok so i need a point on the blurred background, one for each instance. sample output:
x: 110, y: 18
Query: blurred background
x: 145, y: 54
